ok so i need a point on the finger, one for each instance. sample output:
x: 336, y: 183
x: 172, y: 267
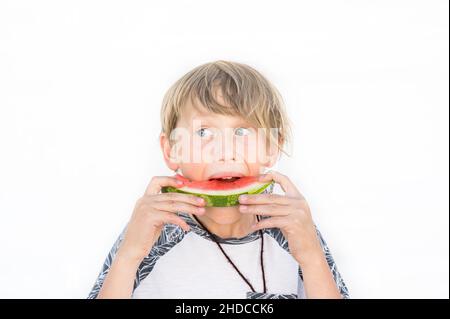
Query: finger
x: 175, y: 207
x: 284, y: 181
x: 266, y: 210
x: 185, y: 198
x: 170, y: 218
x: 265, y: 199
x: 157, y: 182
x: 273, y: 222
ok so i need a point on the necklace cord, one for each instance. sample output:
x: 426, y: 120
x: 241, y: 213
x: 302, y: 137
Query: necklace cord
x: 231, y: 262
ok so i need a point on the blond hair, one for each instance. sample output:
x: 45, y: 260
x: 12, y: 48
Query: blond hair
x: 245, y: 91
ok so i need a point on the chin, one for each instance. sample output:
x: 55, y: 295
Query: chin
x: 223, y: 215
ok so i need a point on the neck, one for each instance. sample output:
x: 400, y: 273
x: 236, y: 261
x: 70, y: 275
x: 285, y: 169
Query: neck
x: 227, y: 222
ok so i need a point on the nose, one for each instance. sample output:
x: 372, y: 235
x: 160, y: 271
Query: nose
x: 226, y: 147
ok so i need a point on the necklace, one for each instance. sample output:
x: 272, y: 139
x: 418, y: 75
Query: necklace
x: 231, y: 262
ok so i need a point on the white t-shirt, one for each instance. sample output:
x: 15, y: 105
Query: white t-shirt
x: 190, y: 265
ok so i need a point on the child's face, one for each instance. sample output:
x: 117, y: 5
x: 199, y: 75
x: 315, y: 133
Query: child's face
x: 207, y: 144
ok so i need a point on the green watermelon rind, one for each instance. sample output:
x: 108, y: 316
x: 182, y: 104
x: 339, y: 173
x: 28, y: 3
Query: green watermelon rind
x: 218, y: 200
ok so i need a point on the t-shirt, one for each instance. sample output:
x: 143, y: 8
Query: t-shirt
x: 183, y: 265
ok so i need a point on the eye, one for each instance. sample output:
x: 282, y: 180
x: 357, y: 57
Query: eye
x: 204, y: 132
x: 242, y: 131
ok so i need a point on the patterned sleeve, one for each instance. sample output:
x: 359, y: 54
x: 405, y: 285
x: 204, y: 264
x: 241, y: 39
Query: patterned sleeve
x: 334, y: 270
x: 105, y: 268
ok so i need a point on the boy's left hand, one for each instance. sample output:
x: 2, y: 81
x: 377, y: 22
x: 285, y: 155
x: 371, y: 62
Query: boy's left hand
x: 290, y: 213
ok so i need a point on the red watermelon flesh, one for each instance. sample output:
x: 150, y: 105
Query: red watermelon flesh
x: 220, y: 192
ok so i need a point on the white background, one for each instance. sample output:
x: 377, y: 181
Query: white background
x: 365, y: 82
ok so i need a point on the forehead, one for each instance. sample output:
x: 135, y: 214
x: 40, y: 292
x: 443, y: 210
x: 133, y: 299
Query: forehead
x: 198, y: 113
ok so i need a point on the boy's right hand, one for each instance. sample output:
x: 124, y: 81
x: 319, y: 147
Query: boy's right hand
x: 151, y: 212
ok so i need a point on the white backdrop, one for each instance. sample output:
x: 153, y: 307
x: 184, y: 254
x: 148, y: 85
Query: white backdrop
x: 365, y: 82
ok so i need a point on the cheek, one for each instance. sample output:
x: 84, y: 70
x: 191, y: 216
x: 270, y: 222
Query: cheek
x: 193, y: 171
x: 195, y: 159
x: 253, y: 150
x: 192, y: 150
x: 255, y: 169
x: 209, y: 150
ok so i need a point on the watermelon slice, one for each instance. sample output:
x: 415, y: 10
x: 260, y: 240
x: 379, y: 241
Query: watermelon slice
x: 220, y: 192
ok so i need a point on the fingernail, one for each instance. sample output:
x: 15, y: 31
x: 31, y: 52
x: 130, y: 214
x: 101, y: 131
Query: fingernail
x: 180, y: 182
x: 243, y: 198
x: 200, y: 200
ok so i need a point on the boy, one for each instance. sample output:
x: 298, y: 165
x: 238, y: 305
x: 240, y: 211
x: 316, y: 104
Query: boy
x: 176, y: 247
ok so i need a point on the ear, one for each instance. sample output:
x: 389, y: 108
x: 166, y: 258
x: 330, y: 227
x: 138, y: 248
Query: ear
x: 166, y: 149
